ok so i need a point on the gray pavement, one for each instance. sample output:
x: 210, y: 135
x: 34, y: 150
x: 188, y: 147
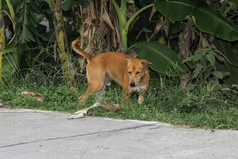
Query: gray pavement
x: 50, y: 135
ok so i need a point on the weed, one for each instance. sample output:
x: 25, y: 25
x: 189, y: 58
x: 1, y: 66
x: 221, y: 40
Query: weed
x: 204, y: 64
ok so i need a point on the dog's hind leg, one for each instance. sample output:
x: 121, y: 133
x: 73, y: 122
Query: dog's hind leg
x: 100, y: 93
x: 82, y: 98
x: 92, y: 89
x: 95, y: 84
x: 107, y: 83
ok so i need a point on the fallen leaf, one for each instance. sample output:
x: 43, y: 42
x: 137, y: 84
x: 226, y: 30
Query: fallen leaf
x: 33, y: 95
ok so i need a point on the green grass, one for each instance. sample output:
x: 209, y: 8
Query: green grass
x: 207, y: 105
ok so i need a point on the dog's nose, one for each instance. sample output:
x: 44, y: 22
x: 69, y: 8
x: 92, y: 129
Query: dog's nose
x: 132, y: 84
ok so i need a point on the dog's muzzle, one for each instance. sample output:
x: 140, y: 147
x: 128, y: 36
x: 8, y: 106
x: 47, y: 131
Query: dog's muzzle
x: 132, y: 84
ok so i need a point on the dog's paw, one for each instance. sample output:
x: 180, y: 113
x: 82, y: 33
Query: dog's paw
x: 140, y: 99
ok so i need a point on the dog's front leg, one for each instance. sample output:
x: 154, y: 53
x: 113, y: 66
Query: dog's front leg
x: 141, y: 97
x: 126, y: 95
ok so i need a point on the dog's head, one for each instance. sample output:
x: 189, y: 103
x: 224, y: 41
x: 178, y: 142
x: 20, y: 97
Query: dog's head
x: 136, y: 70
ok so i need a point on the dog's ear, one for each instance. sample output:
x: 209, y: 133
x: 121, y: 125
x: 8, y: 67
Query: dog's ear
x: 128, y: 61
x: 145, y: 62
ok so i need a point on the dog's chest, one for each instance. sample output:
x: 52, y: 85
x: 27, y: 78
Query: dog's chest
x: 138, y: 88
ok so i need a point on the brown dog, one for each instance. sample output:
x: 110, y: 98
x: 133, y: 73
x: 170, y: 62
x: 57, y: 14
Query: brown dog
x: 131, y: 73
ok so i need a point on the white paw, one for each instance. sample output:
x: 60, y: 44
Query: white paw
x: 140, y: 100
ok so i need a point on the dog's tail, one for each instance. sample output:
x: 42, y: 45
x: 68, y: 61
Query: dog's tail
x: 75, y: 46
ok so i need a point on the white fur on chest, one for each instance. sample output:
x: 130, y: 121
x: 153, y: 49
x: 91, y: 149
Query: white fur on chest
x: 138, y: 88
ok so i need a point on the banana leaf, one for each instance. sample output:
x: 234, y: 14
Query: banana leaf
x: 163, y: 59
x: 27, y: 21
x: 205, y: 17
x: 66, y: 4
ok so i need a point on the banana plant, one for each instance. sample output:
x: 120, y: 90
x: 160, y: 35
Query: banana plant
x: 16, y: 54
x: 62, y: 41
x: 123, y: 23
x: 2, y: 38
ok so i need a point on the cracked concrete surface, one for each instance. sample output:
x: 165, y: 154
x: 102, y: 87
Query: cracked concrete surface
x: 50, y: 135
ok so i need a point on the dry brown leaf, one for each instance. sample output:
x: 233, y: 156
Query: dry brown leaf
x: 185, y: 44
x: 160, y: 26
x: 33, y: 95
x: 81, y: 62
x: 185, y: 38
x: 203, y: 42
x: 152, y: 13
x: 132, y: 53
x: 99, y: 28
x: 107, y: 19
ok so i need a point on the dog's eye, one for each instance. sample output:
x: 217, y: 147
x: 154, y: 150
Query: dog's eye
x: 129, y: 72
x: 137, y: 73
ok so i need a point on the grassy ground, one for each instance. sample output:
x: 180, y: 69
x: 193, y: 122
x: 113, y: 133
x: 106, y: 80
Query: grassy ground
x: 207, y: 105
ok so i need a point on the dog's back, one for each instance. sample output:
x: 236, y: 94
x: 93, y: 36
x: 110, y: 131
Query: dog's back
x: 114, y: 63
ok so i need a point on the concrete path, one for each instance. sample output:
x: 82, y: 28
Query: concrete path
x: 52, y: 136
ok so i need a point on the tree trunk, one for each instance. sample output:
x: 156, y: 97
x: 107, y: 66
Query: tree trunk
x: 62, y: 41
